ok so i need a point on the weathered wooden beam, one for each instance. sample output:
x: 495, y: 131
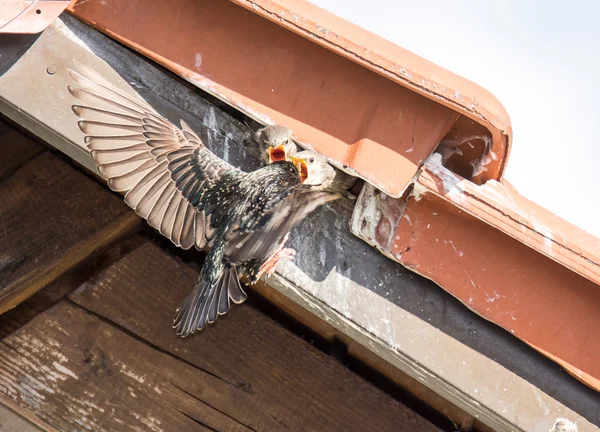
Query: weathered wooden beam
x: 107, y: 360
x: 403, y: 319
x: 56, y: 291
x: 51, y: 218
x: 17, y: 149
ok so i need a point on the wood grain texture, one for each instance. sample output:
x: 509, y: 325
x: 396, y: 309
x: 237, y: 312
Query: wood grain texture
x: 15, y: 149
x: 324, y: 329
x: 260, y: 374
x: 53, y: 293
x: 51, y: 218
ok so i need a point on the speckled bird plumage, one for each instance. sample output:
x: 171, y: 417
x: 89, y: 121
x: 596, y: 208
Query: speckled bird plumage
x: 190, y: 195
x: 251, y: 214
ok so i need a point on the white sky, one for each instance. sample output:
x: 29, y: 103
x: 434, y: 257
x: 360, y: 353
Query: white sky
x: 541, y: 59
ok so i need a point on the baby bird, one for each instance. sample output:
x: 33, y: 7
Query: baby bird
x: 275, y: 142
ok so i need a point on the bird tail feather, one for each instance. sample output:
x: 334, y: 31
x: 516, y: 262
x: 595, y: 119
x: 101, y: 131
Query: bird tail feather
x: 208, y: 300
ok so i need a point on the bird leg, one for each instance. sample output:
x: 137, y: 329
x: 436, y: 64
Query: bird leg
x: 271, y: 263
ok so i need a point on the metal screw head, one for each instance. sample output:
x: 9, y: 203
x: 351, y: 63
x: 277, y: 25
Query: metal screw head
x: 51, y: 69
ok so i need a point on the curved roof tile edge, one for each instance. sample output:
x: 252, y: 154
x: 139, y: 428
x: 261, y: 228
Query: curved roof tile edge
x: 396, y: 63
x: 30, y: 17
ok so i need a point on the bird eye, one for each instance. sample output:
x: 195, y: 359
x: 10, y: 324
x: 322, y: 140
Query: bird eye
x: 311, y: 160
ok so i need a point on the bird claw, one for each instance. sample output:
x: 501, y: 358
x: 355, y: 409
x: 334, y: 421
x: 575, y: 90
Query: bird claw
x: 269, y: 266
x: 288, y: 253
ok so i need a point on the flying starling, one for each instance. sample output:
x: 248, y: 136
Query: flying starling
x: 196, y: 199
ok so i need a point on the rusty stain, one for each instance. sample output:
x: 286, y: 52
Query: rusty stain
x: 369, y: 121
x: 29, y: 17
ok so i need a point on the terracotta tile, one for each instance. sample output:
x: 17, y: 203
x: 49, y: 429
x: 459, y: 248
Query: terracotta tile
x: 362, y: 104
x: 504, y: 257
x: 31, y: 17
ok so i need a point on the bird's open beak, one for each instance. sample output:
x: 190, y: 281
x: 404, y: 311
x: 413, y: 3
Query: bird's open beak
x: 277, y: 154
x: 302, y: 167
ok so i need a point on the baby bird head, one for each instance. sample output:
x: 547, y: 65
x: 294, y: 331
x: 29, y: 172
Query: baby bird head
x: 314, y: 169
x: 276, y: 143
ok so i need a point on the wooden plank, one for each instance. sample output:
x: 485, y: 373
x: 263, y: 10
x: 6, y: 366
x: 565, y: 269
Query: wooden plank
x: 16, y: 149
x: 53, y: 217
x: 339, y: 279
x: 298, y: 386
x: 14, y: 319
x: 51, y: 294
x: 75, y: 370
x: 460, y: 418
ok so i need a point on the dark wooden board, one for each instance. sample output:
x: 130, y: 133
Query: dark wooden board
x: 53, y: 293
x: 52, y: 217
x: 77, y: 372
x: 15, y: 149
x: 258, y: 373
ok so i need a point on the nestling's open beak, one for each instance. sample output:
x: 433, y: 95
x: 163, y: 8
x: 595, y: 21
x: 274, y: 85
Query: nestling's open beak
x: 302, y: 167
x: 277, y: 154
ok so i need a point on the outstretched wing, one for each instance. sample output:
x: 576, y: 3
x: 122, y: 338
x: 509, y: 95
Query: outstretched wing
x: 165, y: 171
